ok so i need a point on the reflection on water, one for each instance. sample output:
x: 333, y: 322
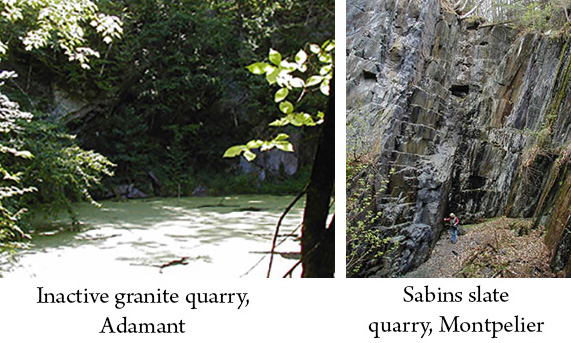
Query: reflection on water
x: 188, y: 237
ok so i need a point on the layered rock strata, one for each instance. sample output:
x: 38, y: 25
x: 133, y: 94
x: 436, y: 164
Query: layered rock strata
x: 458, y: 116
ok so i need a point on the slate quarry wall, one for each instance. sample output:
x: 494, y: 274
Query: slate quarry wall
x: 458, y: 116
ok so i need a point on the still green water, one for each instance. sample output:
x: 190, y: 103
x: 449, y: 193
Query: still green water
x: 217, y: 237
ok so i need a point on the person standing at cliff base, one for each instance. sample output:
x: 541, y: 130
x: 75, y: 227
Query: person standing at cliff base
x: 454, y: 222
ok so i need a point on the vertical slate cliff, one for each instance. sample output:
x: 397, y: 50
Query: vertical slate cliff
x: 458, y: 116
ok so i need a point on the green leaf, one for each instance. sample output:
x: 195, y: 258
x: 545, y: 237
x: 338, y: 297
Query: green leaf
x: 270, y: 69
x: 254, y: 144
x: 258, y: 68
x: 281, y: 137
x: 272, y: 76
x: 307, y: 119
x: 284, y: 146
x: 24, y: 154
x: 288, y: 66
x: 294, y: 120
x: 324, y: 87
x: 275, y: 57
x: 296, y: 82
x: 328, y: 45
x: 321, y: 117
x: 325, y: 58
x: 326, y: 69
x: 313, y: 80
x: 301, y: 57
x: 267, y: 146
x: 250, y: 156
x: 281, y: 94
x: 279, y: 122
x: 299, y: 119
x: 315, y: 48
x: 3, y: 48
x: 286, y: 107
x: 234, y: 151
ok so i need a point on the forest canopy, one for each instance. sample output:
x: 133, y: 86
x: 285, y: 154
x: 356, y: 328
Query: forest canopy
x: 150, y: 91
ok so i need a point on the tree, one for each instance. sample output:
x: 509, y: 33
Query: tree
x: 37, y: 24
x: 288, y: 75
x: 318, y: 237
x: 10, y: 182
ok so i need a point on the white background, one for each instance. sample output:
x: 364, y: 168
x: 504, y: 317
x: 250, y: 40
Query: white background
x: 283, y: 310
x: 288, y: 310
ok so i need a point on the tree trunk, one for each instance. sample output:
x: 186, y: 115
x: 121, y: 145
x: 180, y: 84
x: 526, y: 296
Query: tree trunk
x: 318, y: 241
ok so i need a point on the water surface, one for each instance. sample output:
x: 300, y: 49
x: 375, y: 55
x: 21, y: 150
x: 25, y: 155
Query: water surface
x: 217, y: 237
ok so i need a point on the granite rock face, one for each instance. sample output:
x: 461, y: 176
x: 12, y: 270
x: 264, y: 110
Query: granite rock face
x: 458, y: 116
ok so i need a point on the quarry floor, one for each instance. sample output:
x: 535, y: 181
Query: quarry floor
x: 499, y: 247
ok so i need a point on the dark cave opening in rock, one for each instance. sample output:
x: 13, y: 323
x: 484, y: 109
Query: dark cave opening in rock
x: 369, y: 75
x: 460, y: 90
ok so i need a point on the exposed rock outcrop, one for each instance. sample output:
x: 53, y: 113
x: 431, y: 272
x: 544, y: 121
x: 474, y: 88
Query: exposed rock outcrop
x: 459, y: 117
x: 128, y: 192
x: 272, y: 162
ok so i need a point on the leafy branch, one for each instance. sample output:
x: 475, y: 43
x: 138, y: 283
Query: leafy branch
x: 289, y: 76
x: 59, y: 24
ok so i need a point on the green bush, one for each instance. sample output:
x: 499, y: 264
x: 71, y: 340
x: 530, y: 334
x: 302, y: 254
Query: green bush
x: 61, y: 171
x: 46, y: 166
x: 364, y: 239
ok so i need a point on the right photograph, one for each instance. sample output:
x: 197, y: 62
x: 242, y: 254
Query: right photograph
x: 458, y: 157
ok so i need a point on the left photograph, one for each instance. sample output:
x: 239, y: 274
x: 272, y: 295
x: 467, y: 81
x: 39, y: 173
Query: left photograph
x: 150, y: 138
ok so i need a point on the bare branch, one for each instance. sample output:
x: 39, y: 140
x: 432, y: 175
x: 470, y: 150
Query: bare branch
x: 278, y: 228
x: 469, y: 13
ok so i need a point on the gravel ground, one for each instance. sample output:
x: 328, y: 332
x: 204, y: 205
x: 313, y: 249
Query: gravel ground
x: 500, y: 247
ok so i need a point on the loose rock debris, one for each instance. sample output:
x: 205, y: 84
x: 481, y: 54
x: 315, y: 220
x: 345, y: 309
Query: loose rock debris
x: 500, y: 247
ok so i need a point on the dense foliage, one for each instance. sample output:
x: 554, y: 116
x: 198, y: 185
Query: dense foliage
x: 10, y: 187
x: 38, y: 160
x: 162, y: 103
x: 40, y: 163
x: 174, y: 93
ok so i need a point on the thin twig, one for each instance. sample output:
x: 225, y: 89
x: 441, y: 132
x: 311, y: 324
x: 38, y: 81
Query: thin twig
x: 289, y: 272
x: 277, y: 245
x: 278, y: 227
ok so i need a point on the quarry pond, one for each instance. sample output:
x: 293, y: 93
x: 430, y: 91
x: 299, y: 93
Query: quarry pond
x: 173, y: 237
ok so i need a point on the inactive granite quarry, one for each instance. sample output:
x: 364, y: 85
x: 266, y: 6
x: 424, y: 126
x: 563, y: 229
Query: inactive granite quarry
x: 460, y: 116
